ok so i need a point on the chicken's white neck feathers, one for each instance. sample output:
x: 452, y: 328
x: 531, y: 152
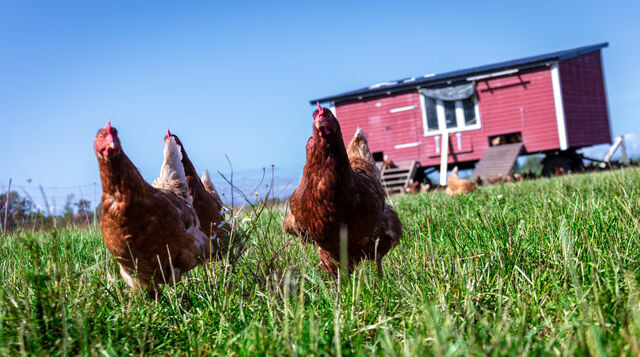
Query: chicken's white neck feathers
x: 172, y: 176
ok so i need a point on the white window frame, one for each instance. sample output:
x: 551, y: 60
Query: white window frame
x: 460, y: 119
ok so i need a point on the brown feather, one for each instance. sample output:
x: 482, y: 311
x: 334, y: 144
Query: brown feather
x: 456, y: 185
x: 343, y: 190
x: 153, y: 233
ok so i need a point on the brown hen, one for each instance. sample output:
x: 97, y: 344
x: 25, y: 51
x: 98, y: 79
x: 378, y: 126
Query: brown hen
x: 152, y: 230
x: 456, y: 185
x: 340, y: 195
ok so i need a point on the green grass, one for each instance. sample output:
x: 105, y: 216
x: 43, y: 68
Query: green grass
x: 541, y: 267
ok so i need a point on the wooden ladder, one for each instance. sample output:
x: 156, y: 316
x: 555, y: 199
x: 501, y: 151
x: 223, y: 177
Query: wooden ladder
x: 397, y: 179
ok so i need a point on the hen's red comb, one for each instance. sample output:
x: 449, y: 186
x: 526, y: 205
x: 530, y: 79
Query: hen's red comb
x: 108, y: 127
x: 168, y: 132
x: 320, y: 110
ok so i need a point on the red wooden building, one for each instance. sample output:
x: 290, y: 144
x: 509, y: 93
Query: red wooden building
x: 553, y: 104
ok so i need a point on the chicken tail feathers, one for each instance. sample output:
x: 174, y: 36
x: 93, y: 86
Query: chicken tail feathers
x: 206, y: 181
x: 210, y: 188
x: 172, y: 176
x: 360, y: 156
x: 359, y: 147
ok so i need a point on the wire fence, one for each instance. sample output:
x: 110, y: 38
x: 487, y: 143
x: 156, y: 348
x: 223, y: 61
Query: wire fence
x: 32, y: 205
x: 52, y: 200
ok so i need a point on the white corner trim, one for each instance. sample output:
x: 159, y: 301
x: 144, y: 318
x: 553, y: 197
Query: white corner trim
x: 559, y: 104
x: 423, y: 111
x: 408, y: 145
x: 402, y: 109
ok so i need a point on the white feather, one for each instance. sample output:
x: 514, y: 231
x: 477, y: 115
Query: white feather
x: 206, y: 178
x: 172, y: 176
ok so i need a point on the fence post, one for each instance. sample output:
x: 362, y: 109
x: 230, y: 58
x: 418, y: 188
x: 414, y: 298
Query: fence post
x: 6, y: 208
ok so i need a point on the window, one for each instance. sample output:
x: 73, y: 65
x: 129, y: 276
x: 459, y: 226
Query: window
x: 469, y: 107
x: 444, y: 115
x: 432, y: 117
x: 450, y: 114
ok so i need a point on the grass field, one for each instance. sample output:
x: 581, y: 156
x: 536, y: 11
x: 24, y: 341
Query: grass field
x: 546, y: 266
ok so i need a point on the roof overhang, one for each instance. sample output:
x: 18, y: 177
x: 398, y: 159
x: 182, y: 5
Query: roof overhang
x: 465, y: 75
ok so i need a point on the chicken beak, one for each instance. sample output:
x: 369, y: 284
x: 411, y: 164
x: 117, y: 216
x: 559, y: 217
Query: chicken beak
x: 108, y: 145
x: 321, y: 125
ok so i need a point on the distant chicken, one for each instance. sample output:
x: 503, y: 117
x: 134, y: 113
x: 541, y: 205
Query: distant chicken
x: 456, y: 185
x: 152, y: 230
x: 513, y: 177
x: 495, y: 180
x: 340, y: 195
x: 206, y: 200
x: 388, y: 163
x: 417, y: 187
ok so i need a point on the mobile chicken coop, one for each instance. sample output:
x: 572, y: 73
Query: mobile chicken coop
x: 483, y: 117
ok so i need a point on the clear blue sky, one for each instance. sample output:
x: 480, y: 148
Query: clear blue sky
x: 236, y: 78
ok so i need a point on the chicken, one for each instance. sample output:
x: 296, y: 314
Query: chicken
x: 478, y: 181
x: 417, y: 187
x: 456, y: 185
x: 414, y: 187
x: 340, y: 197
x: 152, y: 230
x: 495, y: 180
x: 388, y: 163
x: 206, y: 200
x: 513, y: 177
x: 498, y: 140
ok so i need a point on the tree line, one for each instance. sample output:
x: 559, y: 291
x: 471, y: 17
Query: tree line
x: 20, y: 212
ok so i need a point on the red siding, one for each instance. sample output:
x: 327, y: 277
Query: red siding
x: 521, y: 102
x: 585, y: 101
x: 384, y: 130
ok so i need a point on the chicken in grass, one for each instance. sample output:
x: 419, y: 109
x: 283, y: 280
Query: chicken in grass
x: 152, y: 230
x: 340, y: 195
x: 456, y: 185
x: 495, y: 180
x: 206, y: 200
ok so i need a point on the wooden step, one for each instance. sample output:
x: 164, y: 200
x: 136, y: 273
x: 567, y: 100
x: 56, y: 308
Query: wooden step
x: 397, y: 170
x: 394, y: 176
x: 397, y: 179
